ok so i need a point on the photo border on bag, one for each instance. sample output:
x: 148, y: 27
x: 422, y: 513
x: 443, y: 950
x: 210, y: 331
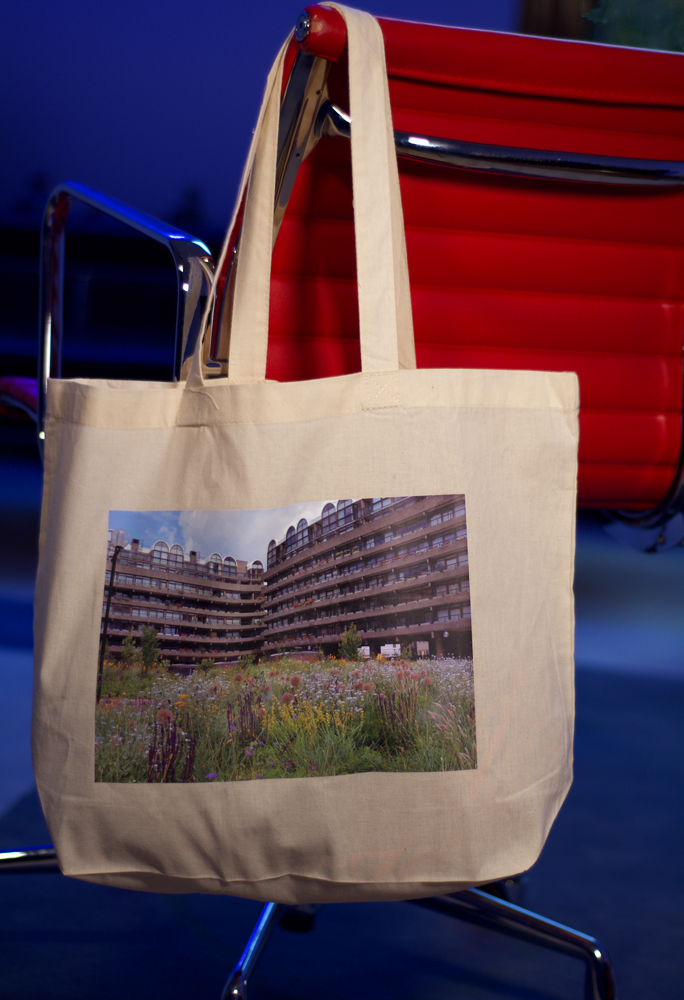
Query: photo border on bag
x: 317, y: 639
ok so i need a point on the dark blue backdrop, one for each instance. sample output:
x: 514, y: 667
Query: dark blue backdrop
x: 152, y: 102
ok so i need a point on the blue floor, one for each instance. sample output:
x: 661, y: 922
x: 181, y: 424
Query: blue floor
x: 612, y: 866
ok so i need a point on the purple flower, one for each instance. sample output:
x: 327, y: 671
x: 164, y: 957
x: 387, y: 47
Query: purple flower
x: 260, y: 743
x: 259, y: 775
x: 271, y: 763
x: 211, y: 775
x: 248, y: 751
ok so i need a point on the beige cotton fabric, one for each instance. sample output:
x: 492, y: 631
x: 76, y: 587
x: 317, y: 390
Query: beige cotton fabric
x: 507, y: 440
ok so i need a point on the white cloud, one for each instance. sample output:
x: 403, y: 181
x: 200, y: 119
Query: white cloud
x: 243, y: 534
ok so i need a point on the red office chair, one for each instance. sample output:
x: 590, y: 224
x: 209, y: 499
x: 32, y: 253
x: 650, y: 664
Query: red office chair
x: 520, y: 256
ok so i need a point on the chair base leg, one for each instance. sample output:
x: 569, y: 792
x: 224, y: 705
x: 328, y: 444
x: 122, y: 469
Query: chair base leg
x: 476, y: 907
x: 236, y: 987
x: 485, y: 910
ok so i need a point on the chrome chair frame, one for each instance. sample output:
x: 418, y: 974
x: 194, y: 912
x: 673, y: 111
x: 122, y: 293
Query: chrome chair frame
x: 192, y: 259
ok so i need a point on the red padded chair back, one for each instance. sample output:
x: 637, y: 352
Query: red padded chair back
x: 510, y: 272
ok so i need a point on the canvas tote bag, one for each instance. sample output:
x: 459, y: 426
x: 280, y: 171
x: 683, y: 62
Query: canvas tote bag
x: 380, y: 777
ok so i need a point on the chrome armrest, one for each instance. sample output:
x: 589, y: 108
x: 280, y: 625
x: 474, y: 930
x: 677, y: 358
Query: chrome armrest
x: 192, y: 259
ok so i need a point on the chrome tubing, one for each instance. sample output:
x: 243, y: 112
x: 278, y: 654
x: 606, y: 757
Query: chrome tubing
x: 29, y: 860
x: 194, y: 270
x: 478, y: 907
x: 542, y: 164
x: 236, y: 987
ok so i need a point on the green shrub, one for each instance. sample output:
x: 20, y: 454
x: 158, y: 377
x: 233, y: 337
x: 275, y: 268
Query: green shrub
x: 349, y: 644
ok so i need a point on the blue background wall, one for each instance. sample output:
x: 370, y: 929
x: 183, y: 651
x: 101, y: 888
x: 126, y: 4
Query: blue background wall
x: 152, y: 102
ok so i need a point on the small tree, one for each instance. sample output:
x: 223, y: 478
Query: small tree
x: 129, y: 651
x: 205, y: 664
x: 349, y: 644
x: 247, y: 661
x: 149, y: 647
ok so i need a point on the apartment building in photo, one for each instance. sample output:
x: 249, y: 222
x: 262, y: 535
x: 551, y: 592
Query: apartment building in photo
x: 396, y: 567
x: 201, y: 609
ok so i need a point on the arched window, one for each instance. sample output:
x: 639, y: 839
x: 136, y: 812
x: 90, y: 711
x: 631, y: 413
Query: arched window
x: 328, y: 520
x: 256, y: 569
x: 176, y: 555
x: 345, y: 512
x: 215, y: 563
x: 230, y: 568
x: 302, y: 534
x: 290, y: 541
x: 160, y: 552
x: 271, y: 553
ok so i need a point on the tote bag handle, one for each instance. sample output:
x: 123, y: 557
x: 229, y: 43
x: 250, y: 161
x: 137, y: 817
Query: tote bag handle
x: 385, y: 320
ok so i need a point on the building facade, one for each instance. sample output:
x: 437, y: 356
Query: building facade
x: 395, y: 567
x: 209, y: 609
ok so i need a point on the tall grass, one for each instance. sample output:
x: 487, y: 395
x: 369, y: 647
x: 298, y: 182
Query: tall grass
x: 290, y: 720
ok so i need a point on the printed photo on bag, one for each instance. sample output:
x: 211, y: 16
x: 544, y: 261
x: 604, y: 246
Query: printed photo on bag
x: 318, y: 639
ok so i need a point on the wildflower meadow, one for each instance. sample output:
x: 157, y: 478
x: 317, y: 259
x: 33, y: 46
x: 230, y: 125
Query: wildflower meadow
x: 288, y: 719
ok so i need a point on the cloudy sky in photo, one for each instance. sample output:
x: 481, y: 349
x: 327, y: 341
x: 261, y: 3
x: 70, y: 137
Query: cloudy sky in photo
x: 243, y: 534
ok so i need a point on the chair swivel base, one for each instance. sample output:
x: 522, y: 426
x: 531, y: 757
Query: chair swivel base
x: 477, y: 907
